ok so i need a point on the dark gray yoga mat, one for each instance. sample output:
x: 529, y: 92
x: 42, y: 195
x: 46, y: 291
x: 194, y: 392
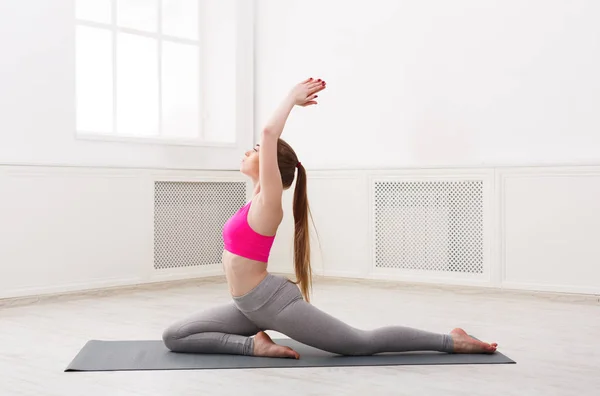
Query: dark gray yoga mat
x: 153, y: 355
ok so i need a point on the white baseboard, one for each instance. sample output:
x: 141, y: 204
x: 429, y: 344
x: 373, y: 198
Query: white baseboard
x: 339, y: 274
x: 209, y: 271
x: 68, y: 288
x: 432, y: 279
x: 107, y: 283
x: 173, y: 275
x: 551, y: 288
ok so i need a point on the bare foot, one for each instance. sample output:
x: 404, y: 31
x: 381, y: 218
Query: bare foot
x: 463, y: 343
x: 264, y: 346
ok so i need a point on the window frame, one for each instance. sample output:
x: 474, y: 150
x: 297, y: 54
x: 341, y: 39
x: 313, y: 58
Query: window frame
x: 244, y: 103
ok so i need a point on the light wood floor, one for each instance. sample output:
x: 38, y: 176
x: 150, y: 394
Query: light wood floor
x: 555, y: 341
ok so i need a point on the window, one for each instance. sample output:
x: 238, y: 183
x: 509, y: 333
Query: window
x: 139, y: 70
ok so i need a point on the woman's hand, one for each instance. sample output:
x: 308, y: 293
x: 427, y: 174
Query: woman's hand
x: 305, y: 93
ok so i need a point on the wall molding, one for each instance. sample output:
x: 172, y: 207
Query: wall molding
x: 502, y: 177
x: 337, y: 256
x: 77, y: 249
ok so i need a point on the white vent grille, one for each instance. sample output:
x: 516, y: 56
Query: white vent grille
x: 429, y: 225
x: 189, y: 219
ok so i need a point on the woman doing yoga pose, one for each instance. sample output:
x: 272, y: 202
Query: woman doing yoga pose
x: 263, y: 301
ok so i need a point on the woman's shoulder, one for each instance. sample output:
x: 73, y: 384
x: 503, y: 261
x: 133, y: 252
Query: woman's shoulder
x: 264, y: 216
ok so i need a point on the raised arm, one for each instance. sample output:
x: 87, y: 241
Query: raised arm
x: 303, y: 94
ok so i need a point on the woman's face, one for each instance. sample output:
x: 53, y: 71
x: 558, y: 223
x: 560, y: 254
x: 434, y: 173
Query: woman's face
x: 249, y: 166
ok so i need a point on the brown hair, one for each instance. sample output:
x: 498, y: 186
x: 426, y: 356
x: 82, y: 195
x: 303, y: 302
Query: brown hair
x: 288, y: 162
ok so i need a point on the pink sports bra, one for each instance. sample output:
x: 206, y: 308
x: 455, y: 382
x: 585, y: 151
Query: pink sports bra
x: 242, y: 240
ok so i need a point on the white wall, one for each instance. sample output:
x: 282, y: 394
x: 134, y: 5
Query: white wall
x: 550, y: 227
x: 78, y: 214
x: 37, y: 94
x: 341, y: 245
x: 422, y: 88
x: 540, y: 228
x: 435, y: 82
x: 77, y: 228
x: 410, y: 84
x: 67, y: 228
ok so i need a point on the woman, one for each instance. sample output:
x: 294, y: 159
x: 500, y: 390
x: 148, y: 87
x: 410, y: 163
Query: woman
x: 262, y: 301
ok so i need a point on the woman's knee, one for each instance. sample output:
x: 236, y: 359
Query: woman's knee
x: 171, y: 337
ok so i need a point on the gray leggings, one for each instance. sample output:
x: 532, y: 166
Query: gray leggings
x: 277, y: 304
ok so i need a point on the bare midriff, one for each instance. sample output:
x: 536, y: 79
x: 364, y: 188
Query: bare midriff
x: 242, y: 274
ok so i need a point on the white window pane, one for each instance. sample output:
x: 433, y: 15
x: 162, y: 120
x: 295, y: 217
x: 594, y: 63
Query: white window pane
x: 180, y: 90
x: 94, y: 10
x: 138, y: 14
x: 180, y: 18
x: 94, y: 80
x: 137, y: 85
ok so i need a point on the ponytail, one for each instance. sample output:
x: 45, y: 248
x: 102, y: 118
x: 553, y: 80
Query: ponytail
x: 301, y: 235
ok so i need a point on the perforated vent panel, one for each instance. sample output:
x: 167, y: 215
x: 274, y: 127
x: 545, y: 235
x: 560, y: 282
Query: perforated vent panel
x: 430, y: 226
x: 189, y: 219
